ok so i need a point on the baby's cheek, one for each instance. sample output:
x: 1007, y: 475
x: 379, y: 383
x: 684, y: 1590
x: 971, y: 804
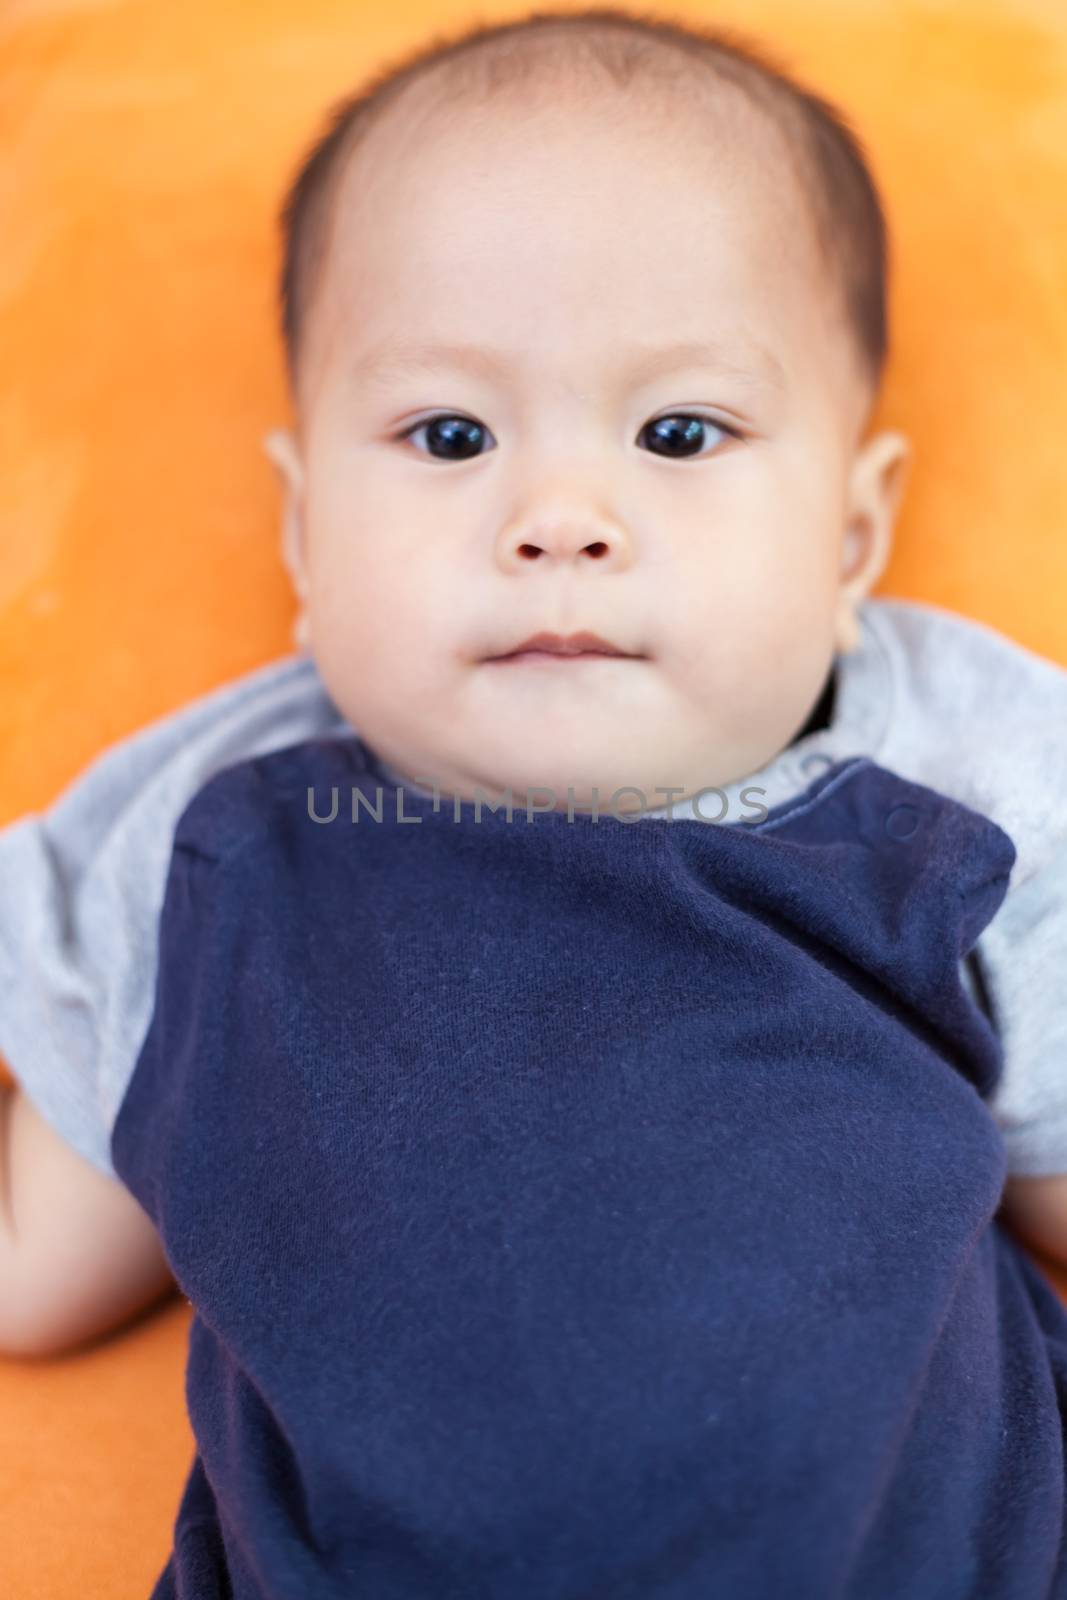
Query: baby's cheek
x: 377, y: 625
x: 349, y: 577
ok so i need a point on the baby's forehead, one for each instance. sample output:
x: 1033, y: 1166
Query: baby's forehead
x: 720, y: 137
x: 734, y: 150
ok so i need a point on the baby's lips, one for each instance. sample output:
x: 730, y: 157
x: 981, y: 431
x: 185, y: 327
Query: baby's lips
x: 582, y: 643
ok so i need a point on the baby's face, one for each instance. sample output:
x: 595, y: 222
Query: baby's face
x: 583, y: 472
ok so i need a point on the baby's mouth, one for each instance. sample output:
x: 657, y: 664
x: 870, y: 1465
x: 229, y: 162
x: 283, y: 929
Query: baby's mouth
x: 555, y: 648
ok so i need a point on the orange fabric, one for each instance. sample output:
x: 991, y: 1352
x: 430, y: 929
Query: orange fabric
x: 145, y: 149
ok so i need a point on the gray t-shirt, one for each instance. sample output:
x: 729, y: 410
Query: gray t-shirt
x: 939, y: 699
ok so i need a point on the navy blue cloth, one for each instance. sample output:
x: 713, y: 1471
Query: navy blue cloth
x: 591, y: 1209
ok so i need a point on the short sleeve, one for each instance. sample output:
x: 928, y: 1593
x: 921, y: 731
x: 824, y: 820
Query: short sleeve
x: 82, y: 886
x: 1022, y: 958
x: 980, y: 717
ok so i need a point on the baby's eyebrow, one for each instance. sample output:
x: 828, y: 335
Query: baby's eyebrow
x: 746, y: 361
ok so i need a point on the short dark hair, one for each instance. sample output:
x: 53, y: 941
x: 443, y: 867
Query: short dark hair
x: 843, y: 198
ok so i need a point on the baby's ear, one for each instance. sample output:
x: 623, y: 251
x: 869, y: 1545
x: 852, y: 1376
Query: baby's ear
x: 876, y: 485
x: 280, y: 447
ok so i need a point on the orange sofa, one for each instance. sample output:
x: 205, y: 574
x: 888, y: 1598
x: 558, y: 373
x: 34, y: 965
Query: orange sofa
x: 146, y: 146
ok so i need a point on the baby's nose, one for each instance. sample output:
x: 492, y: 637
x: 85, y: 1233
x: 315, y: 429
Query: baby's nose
x: 565, y: 539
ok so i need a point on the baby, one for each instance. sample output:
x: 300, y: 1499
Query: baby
x: 582, y: 1199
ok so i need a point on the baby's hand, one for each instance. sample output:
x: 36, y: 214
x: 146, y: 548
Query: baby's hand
x: 1036, y: 1209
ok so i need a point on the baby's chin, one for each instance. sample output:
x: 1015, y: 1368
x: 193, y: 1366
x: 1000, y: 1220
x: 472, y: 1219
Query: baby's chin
x: 559, y: 739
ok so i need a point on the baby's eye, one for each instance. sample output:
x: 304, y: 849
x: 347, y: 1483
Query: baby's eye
x: 680, y: 434
x: 459, y: 438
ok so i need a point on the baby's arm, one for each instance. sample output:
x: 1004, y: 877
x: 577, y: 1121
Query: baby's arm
x: 78, y: 1255
x: 80, y: 891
